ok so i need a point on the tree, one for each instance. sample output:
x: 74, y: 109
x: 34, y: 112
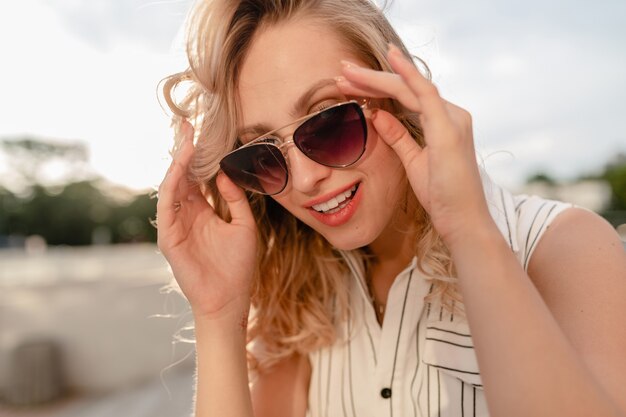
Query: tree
x: 615, y: 175
x: 76, y: 212
x: 29, y: 158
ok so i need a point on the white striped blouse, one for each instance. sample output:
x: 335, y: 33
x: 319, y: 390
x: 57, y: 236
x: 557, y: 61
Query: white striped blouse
x: 421, y: 362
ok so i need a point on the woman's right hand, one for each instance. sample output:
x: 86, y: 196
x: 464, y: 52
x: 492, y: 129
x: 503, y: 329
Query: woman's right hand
x: 212, y: 260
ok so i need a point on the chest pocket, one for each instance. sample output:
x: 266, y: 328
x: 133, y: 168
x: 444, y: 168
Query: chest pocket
x: 448, y: 346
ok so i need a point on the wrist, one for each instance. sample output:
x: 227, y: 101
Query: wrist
x: 473, y: 235
x: 234, y: 312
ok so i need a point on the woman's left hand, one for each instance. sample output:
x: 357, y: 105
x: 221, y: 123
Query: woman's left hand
x: 443, y: 174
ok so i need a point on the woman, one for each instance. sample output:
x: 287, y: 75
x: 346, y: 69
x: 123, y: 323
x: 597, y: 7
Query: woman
x: 366, y: 242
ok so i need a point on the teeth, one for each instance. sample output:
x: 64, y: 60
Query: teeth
x: 334, y: 202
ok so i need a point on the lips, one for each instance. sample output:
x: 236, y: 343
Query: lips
x: 344, y: 210
x: 335, y: 203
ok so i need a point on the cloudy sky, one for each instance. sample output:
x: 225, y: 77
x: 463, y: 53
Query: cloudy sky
x: 544, y: 80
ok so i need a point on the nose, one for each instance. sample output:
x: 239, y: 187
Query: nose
x: 306, y: 174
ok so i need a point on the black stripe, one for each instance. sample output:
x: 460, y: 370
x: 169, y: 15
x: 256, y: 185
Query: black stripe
x: 417, y: 355
x: 448, y: 331
x: 506, y: 217
x: 530, y: 229
x: 350, y: 361
x: 474, y: 401
x: 450, y: 343
x: 452, y: 312
x: 395, y: 355
x: 455, y: 370
x: 441, y: 314
x: 519, y: 205
x: 438, y: 395
x: 462, y: 399
x: 430, y: 291
x: 532, y: 245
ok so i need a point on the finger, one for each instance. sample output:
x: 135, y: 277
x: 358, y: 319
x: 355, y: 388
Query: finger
x: 433, y: 106
x: 240, y: 210
x: 351, y: 88
x: 396, y: 136
x: 166, y: 198
x: 175, y: 185
x: 386, y: 83
x: 184, y: 153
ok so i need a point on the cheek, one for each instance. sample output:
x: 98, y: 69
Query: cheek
x: 382, y: 160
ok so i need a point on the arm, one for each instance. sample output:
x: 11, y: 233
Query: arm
x: 551, y: 349
x: 222, y: 374
x: 213, y: 263
x: 579, y: 269
x: 222, y: 379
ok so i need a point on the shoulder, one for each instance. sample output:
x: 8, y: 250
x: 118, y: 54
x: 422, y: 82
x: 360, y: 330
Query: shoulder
x: 576, y: 238
x: 533, y: 217
x: 580, y: 264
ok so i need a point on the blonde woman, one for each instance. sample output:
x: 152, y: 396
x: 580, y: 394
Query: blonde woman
x: 322, y: 183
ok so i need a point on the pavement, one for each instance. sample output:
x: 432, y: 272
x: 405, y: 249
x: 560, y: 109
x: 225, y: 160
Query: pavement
x: 168, y: 396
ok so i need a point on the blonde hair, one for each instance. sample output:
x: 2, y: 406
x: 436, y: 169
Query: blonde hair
x: 300, y: 288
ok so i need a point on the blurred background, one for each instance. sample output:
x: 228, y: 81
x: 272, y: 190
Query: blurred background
x: 87, y: 326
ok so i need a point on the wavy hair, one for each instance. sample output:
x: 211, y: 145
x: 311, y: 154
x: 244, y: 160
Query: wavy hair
x: 300, y: 288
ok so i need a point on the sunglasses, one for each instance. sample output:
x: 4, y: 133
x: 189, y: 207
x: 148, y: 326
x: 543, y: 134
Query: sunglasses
x: 334, y: 137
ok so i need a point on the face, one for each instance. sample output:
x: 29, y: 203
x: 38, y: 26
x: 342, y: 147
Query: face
x: 287, y: 74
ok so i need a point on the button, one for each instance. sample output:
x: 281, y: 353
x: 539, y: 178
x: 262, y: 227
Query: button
x: 385, y: 392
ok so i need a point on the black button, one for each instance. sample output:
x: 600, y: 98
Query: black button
x: 385, y: 392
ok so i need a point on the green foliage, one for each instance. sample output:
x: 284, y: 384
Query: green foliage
x: 76, y: 215
x: 78, y: 212
x: 28, y: 157
x: 615, y: 175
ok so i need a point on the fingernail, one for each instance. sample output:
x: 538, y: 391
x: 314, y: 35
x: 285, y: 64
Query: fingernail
x: 340, y: 79
x: 374, y: 114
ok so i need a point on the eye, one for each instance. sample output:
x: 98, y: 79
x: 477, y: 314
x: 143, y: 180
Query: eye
x: 320, y: 107
x: 267, y: 139
x: 270, y: 139
x: 323, y: 105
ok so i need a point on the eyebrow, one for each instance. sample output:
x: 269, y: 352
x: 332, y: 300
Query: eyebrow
x: 298, y: 108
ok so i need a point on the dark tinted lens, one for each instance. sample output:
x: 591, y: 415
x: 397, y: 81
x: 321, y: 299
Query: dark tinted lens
x: 259, y: 168
x: 335, y: 137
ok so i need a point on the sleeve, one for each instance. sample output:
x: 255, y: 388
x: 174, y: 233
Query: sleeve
x: 533, y: 217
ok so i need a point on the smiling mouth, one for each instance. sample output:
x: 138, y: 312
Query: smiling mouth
x: 337, y: 202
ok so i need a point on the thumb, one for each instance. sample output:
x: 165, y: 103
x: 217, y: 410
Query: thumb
x: 236, y: 199
x: 396, y: 136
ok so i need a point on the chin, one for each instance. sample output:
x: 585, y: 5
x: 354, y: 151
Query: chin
x: 348, y: 243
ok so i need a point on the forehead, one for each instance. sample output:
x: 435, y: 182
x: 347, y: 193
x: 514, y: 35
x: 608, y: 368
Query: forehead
x: 283, y: 62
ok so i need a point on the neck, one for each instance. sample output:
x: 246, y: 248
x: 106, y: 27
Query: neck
x: 395, y: 246
x: 392, y: 251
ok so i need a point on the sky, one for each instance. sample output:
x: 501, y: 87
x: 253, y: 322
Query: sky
x: 545, y: 81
